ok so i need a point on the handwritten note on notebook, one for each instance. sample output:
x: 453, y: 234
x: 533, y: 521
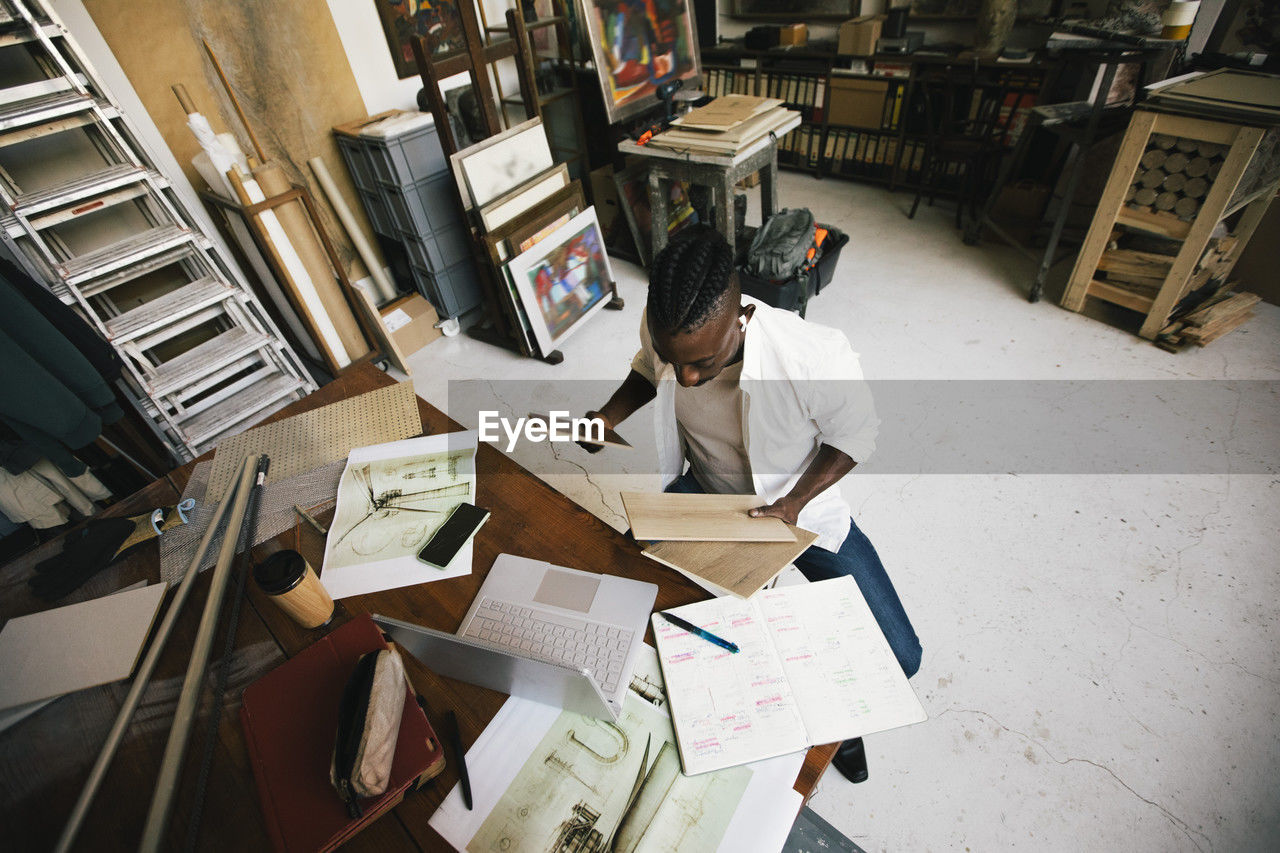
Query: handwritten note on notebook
x: 813, y: 668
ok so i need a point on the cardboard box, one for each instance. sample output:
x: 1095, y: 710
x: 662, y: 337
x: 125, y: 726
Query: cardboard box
x: 793, y: 34
x: 858, y: 37
x: 411, y: 321
x: 857, y: 102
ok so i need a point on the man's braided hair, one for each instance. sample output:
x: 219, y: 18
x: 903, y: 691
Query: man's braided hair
x: 690, y: 279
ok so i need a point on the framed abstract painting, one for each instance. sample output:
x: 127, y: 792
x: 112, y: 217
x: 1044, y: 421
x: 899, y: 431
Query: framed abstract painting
x: 637, y: 45
x: 563, y: 279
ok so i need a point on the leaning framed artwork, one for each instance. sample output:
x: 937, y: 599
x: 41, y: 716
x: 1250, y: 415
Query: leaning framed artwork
x: 499, y: 164
x: 638, y: 45
x: 404, y: 20
x: 563, y: 279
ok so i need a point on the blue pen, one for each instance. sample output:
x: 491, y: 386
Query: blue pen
x: 698, y: 632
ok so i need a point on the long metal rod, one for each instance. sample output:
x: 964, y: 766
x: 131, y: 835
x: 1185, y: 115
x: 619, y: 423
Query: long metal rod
x: 248, y: 532
x: 167, y: 780
x: 125, y: 715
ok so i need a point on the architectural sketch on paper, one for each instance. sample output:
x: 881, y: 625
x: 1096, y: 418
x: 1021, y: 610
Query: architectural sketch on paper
x: 388, y: 508
x: 592, y: 786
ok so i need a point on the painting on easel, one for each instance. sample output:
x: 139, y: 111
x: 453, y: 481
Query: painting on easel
x: 638, y: 45
x: 404, y: 20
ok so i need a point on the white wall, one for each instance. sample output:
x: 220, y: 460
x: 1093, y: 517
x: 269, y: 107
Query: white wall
x: 360, y: 29
x: 362, y: 38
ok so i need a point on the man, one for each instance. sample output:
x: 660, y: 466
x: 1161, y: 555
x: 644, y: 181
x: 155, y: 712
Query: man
x: 763, y: 403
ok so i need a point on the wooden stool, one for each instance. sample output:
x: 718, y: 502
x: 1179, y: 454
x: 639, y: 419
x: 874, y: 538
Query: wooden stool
x: 719, y: 173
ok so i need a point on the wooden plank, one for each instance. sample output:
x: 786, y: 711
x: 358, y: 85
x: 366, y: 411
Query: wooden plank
x: 1187, y: 127
x: 1154, y: 222
x: 1215, y: 203
x: 36, y: 131
x: 1109, y: 207
x: 1209, y: 334
x: 1237, y: 303
x: 1119, y: 295
x: 735, y: 568
x: 1139, y: 264
x: 656, y: 516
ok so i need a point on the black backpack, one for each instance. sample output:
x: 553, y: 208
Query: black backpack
x: 781, y: 248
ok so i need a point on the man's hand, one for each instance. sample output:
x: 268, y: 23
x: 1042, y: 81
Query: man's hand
x: 595, y: 448
x: 784, y: 508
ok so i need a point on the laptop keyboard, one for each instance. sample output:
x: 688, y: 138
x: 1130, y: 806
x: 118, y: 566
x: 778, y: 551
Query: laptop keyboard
x: 595, y: 646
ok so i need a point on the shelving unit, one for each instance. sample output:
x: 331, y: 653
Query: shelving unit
x: 889, y: 150
x: 84, y: 208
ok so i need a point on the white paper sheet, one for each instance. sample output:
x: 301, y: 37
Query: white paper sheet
x: 813, y: 668
x: 53, y: 652
x: 761, y: 821
x: 391, y: 499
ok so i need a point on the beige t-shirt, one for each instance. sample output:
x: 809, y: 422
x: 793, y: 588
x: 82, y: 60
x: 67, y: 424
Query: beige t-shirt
x: 709, y: 419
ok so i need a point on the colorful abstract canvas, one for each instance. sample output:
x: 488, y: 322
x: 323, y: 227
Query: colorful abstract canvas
x: 563, y: 279
x: 637, y: 46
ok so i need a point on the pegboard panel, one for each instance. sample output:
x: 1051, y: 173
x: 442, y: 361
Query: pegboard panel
x: 307, y: 441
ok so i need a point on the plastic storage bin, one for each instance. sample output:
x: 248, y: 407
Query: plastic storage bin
x: 453, y: 290
x: 379, y: 215
x: 406, y: 157
x: 358, y: 163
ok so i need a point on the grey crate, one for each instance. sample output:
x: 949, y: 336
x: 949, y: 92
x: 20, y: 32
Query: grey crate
x: 379, y: 214
x: 442, y: 248
x: 424, y: 207
x: 358, y: 164
x: 407, y: 158
x: 454, y: 290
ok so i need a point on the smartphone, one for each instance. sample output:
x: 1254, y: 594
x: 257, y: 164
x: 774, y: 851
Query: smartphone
x: 456, y: 531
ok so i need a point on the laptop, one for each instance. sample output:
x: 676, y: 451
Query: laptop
x: 543, y: 632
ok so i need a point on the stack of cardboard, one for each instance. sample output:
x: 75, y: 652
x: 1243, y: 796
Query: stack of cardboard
x: 726, y: 125
x: 1223, y: 94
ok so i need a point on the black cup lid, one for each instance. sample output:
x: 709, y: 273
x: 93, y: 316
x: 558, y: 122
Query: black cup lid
x: 280, y: 572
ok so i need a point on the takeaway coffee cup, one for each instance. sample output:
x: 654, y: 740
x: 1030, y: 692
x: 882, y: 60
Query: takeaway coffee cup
x: 295, y: 588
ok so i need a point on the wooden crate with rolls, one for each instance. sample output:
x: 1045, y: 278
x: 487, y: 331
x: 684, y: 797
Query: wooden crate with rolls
x: 1184, y: 197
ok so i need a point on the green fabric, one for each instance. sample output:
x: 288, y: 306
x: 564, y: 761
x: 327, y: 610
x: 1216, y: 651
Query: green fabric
x: 51, y: 395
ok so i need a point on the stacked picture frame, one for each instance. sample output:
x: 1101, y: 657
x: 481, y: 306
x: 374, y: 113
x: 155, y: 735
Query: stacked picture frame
x: 542, y: 240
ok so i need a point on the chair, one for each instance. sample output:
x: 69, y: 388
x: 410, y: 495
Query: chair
x: 964, y: 134
x: 1077, y: 124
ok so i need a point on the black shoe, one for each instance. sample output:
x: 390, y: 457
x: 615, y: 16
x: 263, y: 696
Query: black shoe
x: 851, y: 760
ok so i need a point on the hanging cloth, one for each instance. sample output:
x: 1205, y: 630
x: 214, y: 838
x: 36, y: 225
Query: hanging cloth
x: 51, y: 396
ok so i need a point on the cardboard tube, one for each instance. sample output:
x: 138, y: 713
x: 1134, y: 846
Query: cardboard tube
x: 386, y: 289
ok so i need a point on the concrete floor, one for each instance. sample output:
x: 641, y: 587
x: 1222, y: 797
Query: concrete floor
x: 1100, y: 650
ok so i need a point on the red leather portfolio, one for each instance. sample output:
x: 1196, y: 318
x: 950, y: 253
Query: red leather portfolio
x: 290, y: 719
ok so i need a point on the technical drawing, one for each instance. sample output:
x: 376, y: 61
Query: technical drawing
x: 592, y: 786
x: 388, y: 508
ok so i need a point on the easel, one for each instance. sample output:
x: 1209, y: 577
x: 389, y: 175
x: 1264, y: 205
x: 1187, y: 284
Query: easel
x: 502, y: 327
x: 535, y: 102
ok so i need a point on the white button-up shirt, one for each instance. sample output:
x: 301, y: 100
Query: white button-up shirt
x: 802, y: 388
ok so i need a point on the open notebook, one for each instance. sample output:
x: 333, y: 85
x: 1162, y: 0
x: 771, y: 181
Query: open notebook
x: 813, y: 668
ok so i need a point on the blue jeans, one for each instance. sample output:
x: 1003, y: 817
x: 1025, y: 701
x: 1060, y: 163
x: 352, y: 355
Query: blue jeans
x: 856, y: 557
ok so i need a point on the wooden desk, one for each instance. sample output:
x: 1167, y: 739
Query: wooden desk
x: 44, y: 759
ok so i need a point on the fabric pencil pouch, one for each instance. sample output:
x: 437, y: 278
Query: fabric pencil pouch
x: 368, y: 725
